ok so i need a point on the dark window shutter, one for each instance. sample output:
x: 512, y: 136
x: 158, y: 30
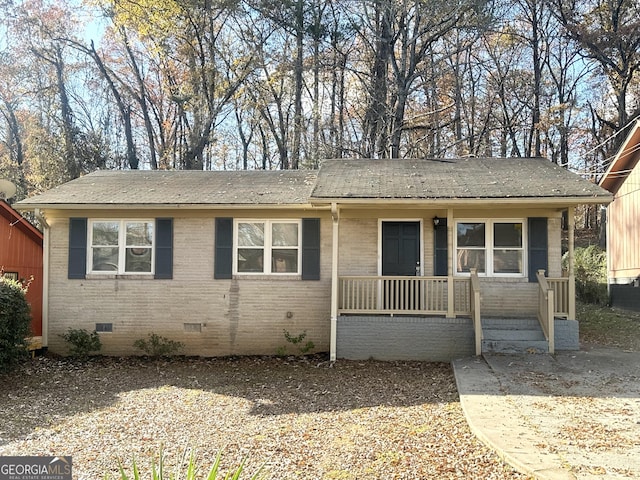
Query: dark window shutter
x: 164, y: 248
x: 77, y: 248
x: 537, y: 246
x: 441, y: 266
x: 223, y: 260
x: 310, y: 249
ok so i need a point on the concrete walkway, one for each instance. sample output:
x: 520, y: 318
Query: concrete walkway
x: 573, y: 415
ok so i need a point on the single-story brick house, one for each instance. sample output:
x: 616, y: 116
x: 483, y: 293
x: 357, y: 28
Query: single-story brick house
x: 622, y: 179
x: 390, y: 259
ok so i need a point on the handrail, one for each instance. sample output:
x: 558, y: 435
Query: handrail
x: 546, y: 309
x: 474, y: 294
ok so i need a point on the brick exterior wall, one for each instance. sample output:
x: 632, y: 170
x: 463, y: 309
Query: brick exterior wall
x: 567, y: 335
x: 248, y: 315
x: 404, y: 338
x: 554, y: 226
x: 508, y: 297
x: 358, y: 239
x: 237, y: 317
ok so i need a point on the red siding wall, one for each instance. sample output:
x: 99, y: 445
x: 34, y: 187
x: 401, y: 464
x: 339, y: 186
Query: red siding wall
x: 21, y: 252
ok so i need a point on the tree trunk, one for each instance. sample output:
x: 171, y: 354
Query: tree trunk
x: 125, y: 110
x: 297, y: 116
x: 68, y: 131
x: 142, y: 101
x: 537, y: 79
x: 14, y: 140
x: 374, y: 120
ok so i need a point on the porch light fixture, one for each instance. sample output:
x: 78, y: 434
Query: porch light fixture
x: 436, y: 221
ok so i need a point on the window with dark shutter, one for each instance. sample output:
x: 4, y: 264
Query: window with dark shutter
x: 223, y: 257
x: 537, y: 246
x: 77, y: 248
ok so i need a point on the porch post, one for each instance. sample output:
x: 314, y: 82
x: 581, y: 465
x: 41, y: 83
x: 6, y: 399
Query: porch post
x: 335, y: 216
x: 450, y: 266
x: 572, y: 278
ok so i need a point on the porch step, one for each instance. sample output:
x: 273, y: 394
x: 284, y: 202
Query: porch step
x: 513, y: 336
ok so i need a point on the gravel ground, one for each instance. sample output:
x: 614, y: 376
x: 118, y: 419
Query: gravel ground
x: 302, y: 418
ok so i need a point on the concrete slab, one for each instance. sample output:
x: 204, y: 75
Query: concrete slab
x: 573, y: 415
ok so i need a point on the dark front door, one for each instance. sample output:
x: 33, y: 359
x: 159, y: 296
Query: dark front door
x: 401, y: 257
x: 400, y: 248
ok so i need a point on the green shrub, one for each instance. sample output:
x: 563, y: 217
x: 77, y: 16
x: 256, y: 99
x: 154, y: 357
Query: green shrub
x: 15, y: 317
x: 158, y: 472
x: 157, y: 346
x: 591, y: 274
x: 296, y: 341
x: 82, y: 343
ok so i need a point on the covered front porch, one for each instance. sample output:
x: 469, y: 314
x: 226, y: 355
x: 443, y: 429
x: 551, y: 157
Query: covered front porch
x: 398, y: 317
x: 440, y: 317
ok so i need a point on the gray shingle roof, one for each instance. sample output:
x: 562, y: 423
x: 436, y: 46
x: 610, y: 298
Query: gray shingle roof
x: 443, y: 179
x: 462, y: 178
x: 182, y: 187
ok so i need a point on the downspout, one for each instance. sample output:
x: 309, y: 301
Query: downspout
x: 604, y: 217
x: 335, y: 216
x: 45, y: 277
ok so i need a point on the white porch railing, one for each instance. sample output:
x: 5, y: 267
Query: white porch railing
x: 402, y: 295
x: 560, y: 287
x: 546, y: 309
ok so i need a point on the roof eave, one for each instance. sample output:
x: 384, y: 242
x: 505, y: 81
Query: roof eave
x: 503, y: 201
x: 27, y: 228
x: 317, y: 203
x: 29, y: 207
x: 625, y: 159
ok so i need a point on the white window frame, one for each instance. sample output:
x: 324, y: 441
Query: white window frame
x: 268, y: 247
x: 122, y: 246
x: 489, y: 246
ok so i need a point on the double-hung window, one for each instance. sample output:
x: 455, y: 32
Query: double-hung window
x: 121, y: 246
x: 267, y: 247
x: 492, y: 247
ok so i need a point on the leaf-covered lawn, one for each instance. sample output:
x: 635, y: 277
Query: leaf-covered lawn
x: 302, y: 418
x: 609, y: 327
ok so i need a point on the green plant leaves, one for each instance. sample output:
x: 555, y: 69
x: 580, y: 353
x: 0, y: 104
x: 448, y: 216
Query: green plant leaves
x: 82, y: 343
x: 15, y: 317
x: 157, y: 346
x: 158, y: 470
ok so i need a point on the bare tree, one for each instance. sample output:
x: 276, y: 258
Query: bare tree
x: 405, y: 33
x: 608, y: 32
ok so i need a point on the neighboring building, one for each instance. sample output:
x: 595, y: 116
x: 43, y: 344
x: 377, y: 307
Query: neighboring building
x: 622, y: 178
x: 390, y: 259
x: 21, y: 259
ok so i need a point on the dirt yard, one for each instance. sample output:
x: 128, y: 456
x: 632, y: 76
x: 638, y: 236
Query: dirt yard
x: 301, y: 418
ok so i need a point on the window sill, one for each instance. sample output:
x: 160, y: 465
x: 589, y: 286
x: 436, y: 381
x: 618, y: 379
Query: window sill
x: 266, y: 276
x: 120, y: 276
